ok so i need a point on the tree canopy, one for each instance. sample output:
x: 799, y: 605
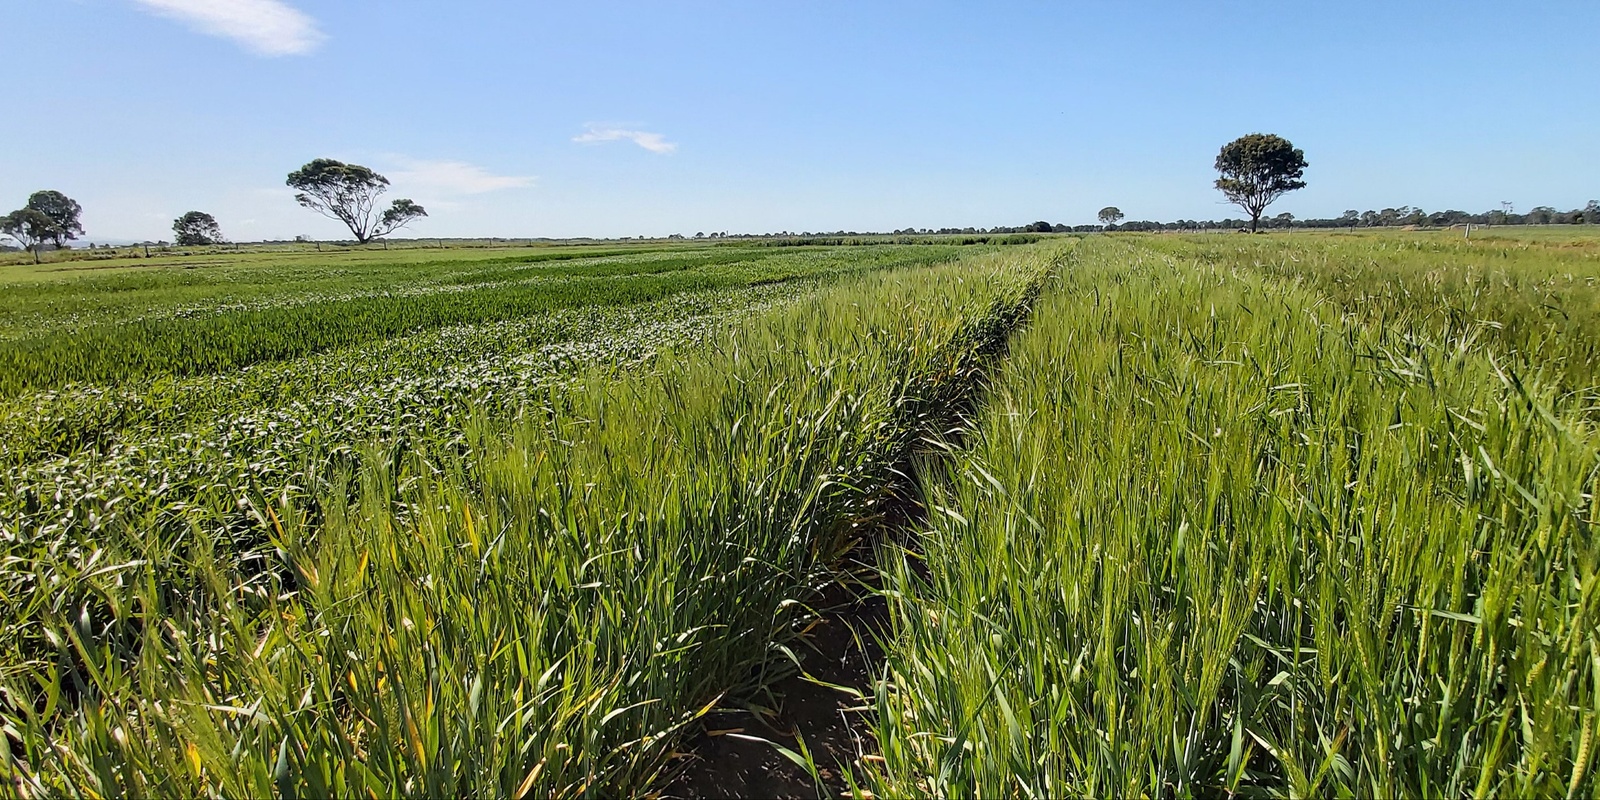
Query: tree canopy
x: 1542, y: 215
x: 1110, y: 215
x: 196, y: 229
x: 349, y: 193
x: 63, y: 213
x: 1258, y: 169
x: 30, y: 227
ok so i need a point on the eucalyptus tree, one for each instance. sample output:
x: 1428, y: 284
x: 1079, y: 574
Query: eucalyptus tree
x: 63, y: 212
x: 195, y: 229
x: 349, y: 193
x: 1258, y: 169
x: 30, y: 227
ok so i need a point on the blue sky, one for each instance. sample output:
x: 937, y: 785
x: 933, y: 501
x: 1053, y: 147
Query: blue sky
x: 611, y: 118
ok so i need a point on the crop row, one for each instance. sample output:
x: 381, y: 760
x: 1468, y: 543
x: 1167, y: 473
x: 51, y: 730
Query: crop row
x: 1535, y: 305
x: 87, y: 460
x: 541, y: 615
x: 1239, y: 539
x: 152, y: 343
x: 76, y: 297
x: 478, y: 276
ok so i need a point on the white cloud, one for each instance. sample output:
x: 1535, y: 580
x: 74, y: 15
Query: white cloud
x: 452, y: 177
x: 654, y: 142
x: 267, y: 27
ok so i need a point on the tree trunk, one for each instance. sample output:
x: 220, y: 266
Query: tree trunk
x: 1255, y: 221
x: 35, y: 250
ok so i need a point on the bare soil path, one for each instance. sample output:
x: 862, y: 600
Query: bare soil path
x: 733, y: 755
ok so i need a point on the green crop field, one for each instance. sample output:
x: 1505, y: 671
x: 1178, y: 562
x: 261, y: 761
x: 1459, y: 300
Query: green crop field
x: 1294, y: 516
x: 1304, y: 514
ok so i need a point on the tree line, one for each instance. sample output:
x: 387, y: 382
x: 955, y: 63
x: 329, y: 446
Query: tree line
x: 49, y: 217
x: 1402, y: 216
x: 1254, y: 171
x: 1257, y: 169
x: 344, y: 192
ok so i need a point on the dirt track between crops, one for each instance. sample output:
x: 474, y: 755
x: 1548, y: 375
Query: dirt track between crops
x: 841, y: 648
x: 829, y: 701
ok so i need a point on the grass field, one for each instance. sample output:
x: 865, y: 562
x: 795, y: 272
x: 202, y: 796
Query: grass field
x: 1291, y: 515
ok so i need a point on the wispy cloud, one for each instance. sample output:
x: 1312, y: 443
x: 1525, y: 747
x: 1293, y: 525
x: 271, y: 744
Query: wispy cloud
x: 452, y: 177
x: 654, y: 142
x: 266, y: 27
